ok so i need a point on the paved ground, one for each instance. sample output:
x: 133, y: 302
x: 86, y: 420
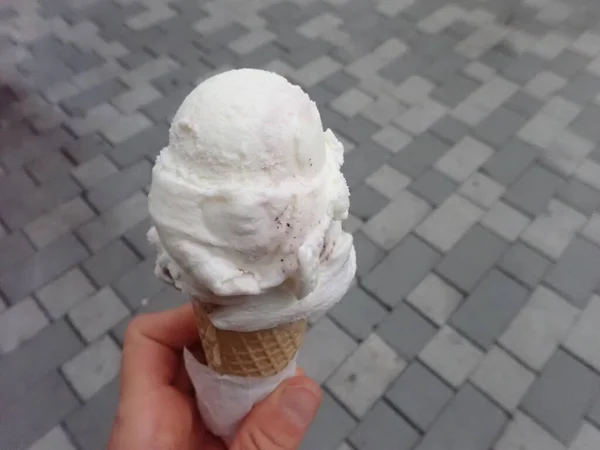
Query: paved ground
x: 472, y: 129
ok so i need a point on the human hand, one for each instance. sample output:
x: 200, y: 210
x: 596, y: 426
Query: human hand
x: 157, y: 409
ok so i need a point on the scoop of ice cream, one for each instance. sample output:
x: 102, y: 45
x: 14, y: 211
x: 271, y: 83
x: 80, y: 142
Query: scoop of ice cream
x: 249, y: 189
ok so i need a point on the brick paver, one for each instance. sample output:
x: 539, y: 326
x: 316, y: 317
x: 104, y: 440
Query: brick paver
x: 471, y: 130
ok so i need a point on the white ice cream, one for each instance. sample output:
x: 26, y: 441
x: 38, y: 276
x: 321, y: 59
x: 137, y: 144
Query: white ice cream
x: 247, y: 202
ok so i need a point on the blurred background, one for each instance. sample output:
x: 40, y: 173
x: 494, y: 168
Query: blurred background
x: 471, y: 129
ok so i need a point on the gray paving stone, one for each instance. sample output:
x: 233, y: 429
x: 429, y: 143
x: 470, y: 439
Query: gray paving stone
x: 419, y: 155
x: 454, y: 90
x: 524, y: 68
x: 582, y: 339
x: 138, y: 239
x: 406, y: 330
x: 523, y: 432
x: 362, y: 162
x: 586, y: 123
x: 469, y: 422
x: 382, y: 427
x: 533, y: 190
x: 358, y: 313
x: 576, y: 285
x: 35, y: 413
x: 524, y: 104
x: 568, y: 63
x: 163, y: 109
x: 594, y: 411
x: 401, y: 271
x: 139, y: 284
x: 433, y: 186
x: 581, y: 88
x: 420, y: 395
x: 490, y: 308
x: 471, y: 258
x: 320, y: 364
x: 330, y: 427
x: 87, y: 147
x: 55, y: 439
x: 367, y: 254
x: 82, y: 102
x: 20, y: 323
x: 499, y: 126
x: 366, y: 202
x: 90, y: 425
x: 560, y: 397
x: 50, y: 166
x: 119, y: 186
x: 510, y: 161
x: 580, y: 196
x: 110, y: 262
x: 93, y: 368
x: 450, y: 130
x: 96, y: 169
x: 42, y: 267
x: 15, y: 249
x: 524, y: 263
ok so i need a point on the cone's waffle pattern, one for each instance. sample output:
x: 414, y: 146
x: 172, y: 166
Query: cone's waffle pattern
x: 260, y: 353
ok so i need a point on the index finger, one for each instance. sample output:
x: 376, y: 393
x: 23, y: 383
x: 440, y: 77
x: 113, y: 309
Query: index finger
x: 153, y: 347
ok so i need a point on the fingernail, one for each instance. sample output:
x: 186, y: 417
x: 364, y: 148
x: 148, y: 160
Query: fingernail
x: 299, y: 403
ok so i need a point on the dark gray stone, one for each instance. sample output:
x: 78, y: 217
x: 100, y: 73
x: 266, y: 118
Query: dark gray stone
x: 533, y: 190
x: 330, y: 427
x: 79, y: 104
x: 499, y: 126
x: 163, y: 109
x: 87, y: 147
x: 433, y: 186
x: 523, y: 103
x: 524, y: 68
x: 52, y: 165
x: 381, y: 428
x: 366, y: 202
x: 449, y: 129
x: 490, y: 308
x: 110, y: 262
x: 577, y: 271
x: 471, y: 258
x: 15, y: 249
x: 469, y: 422
x: 562, y: 395
x: 367, y: 254
x: 454, y: 90
x: 362, y: 162
x: 148, y: 142
x: 339, y: 82
x: 418, y: 156
x: 581, y: 88
x: 401, y: 271
x: 137, y: 237
x: 43, y: 267
x: 508, y: 163
x: 419, y: 395
x: 568, y: 63
x: 580, y: 196
x: 358, y: 313
x: 406, y: 331
x: 139, y: 284
x: 525, y: 264
x: 586, y: 124
x: 594, y: 412
x: 359, y: 130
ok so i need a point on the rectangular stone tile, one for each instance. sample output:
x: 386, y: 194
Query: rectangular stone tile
x: 414, y: 90
x: 448, y: 223
x: 330, y: 426
x: 324, y: 348
x: 500, y: 126
x: 435, y: 299
x: 471, y: 258
x: 93, y: 368
x: 365, y: 375
x: 388, y: 182
x: 450, y: 130
x: 586, y: 123
x: 588, y: 438
x: 392, y: 139
x: 44, y: 266
x: 583, y: 337
x: 451, y: 356
x: 138, y: 239
x: 533, y: 190
x: 366, y: 202
x: 401, y: 271
x: 567, y: 152
x: 580, y: 196
x: 358, y: 313
x: 110, y: 262
x: 469, y: 422
x: 523, y: 433
x: 551, y: 233
x: 463, y: 159
x: 362, y: 162
x: 388, y: 227
x: 15, y: 249
x: 91, y: 172
x: 490, y: 308
x: 433, y: 186
x: 148, y: 142
x: 594, y: 411
x: 45, y: 229
x: 505, y: 221
x: 119, y: 186
x: 454, y: 90
x: 46, y: 351
x: 80, y: 103
x: 535, y: 345
x: 560, y: 397
x: 525, y: 264
x: 420, y: 117
x: 510, y: 161
x: 382, y: 427
x: 98, y: 314
x: 481, y: 190
x: 139, y: 284
x: 576, y: 285
x: 592, y: 229
x: 55, y: 439
x: 90, y: 424
x: 20, y: 323
x: 351, y: 102
x: 45, y: 404
x: 58, y: 296
x: 419, y: 395
x: 50, y: 165
x: 114, y: 222
x: 419, y: 155
x: 544, y: 84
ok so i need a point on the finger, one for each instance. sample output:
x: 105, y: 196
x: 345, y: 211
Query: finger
x: 280, y: 421
x: 153, y: 346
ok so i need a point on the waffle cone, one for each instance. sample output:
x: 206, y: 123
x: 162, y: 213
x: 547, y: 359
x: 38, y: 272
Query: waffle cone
x: 261, y: 353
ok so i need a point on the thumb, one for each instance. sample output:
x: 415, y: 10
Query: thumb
x: 280, y: 421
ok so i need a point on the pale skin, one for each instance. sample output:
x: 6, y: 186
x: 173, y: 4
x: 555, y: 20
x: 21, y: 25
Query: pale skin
x: 157, y: 407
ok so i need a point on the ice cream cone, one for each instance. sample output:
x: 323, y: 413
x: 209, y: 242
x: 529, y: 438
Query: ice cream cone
x: 261, y: 353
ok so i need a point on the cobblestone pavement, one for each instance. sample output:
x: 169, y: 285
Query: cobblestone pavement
x: 472, y: 130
